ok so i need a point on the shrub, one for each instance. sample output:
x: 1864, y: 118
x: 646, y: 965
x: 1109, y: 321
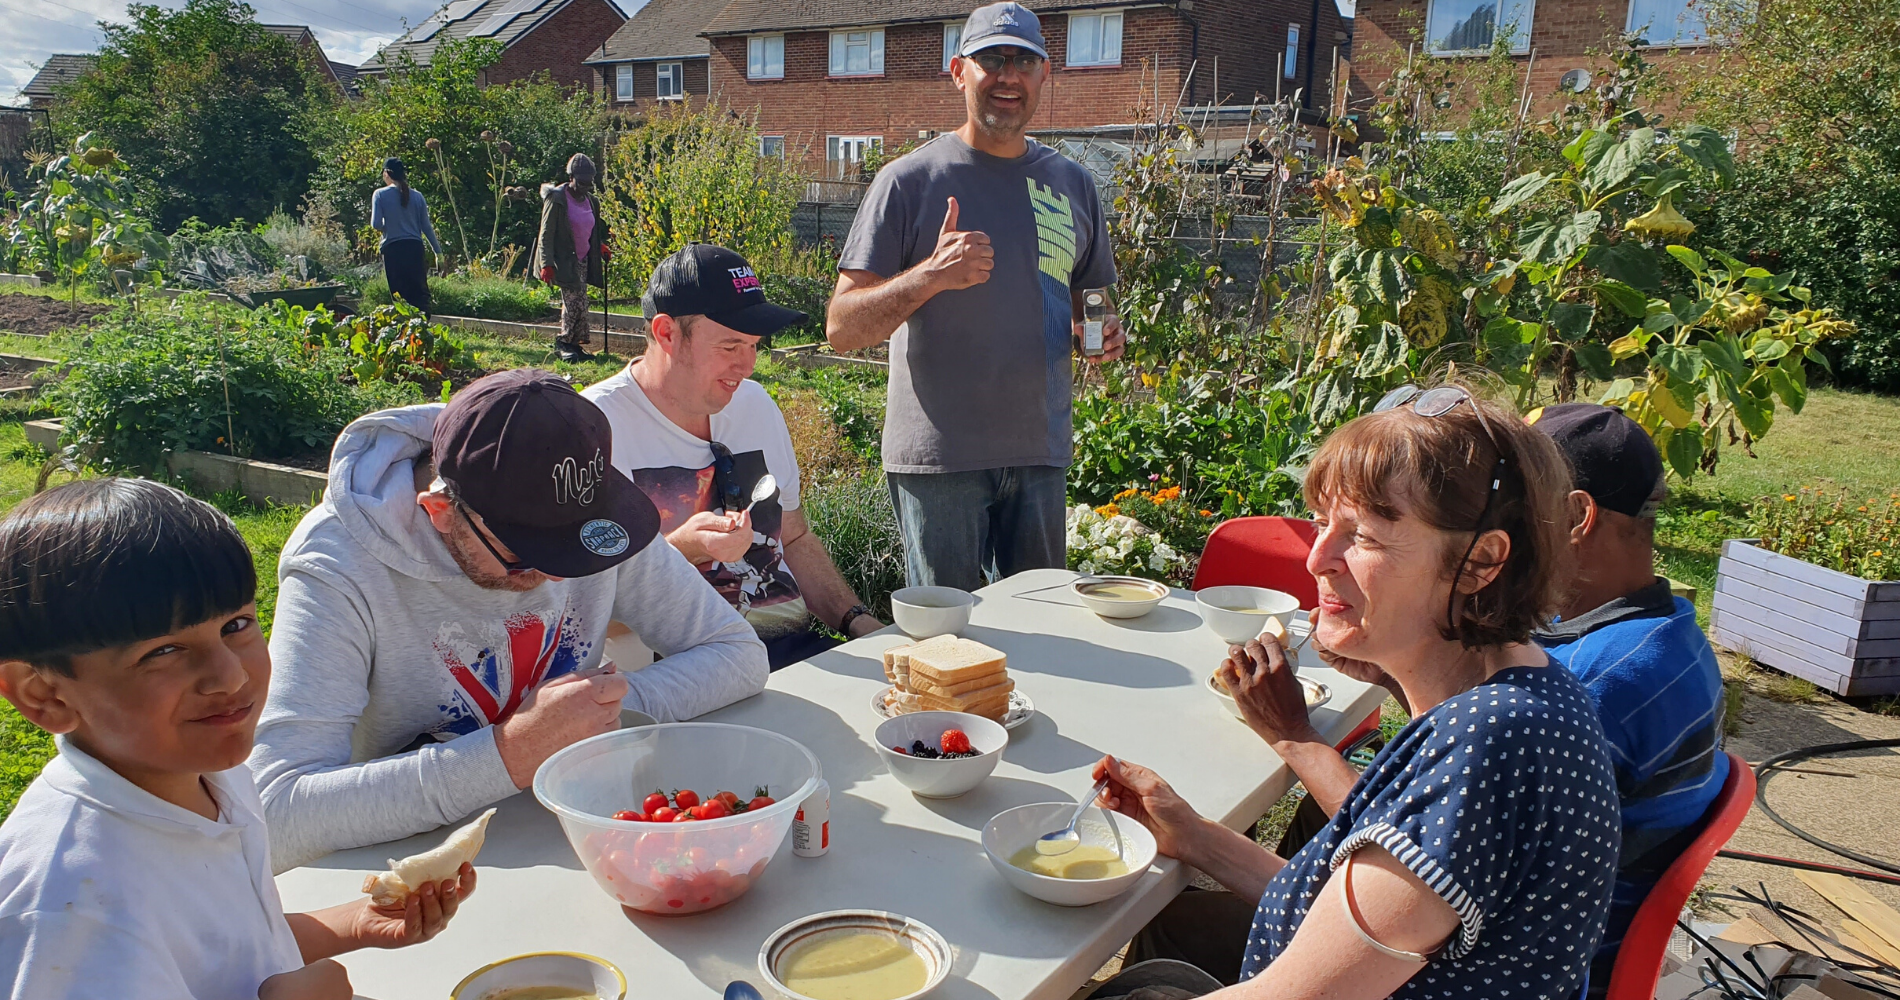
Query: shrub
x: 318, y: 238
x: 1833, y: 528
x: 484, y: 298
x: 1103, y: 540
x: 852, y: 515
x: 392, y: 343
x: 195, y: 375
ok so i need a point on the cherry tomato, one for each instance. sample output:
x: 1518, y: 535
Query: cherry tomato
x: 628, y: 815
x: 760, y: 803
x: 654, y: 803
x: 715, y: 809
x: 729, y: 798
x: 665, y: 814
x: 685, y: 817
x: 686, y: 798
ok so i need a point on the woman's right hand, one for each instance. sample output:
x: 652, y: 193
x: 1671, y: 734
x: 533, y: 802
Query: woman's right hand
x: 1141, y: 795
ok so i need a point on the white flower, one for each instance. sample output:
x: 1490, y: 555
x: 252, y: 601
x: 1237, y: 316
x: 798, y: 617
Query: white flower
x: 1157, y: 562
x: 1105, y: 554
x: 1125, y: 546
x: 1164, y: 551
x: 1087, y: 568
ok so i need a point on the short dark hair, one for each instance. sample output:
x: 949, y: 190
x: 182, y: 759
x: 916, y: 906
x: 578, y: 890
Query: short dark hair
x: 1441, y: 468
x: 108, y: 562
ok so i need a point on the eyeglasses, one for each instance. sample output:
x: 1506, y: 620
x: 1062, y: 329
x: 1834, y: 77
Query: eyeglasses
x: 515, y: 567
x: 1436, y: 403
x: 993, y: 62
x: 732, y: 495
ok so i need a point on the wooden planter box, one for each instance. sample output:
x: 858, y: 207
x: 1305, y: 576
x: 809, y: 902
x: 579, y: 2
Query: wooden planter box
x: 1839, y: 631
x: 309, y: 298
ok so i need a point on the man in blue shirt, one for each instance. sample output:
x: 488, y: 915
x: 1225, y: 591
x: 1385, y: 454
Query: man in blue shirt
x: 1650, y: 673
x: 1649, y: 669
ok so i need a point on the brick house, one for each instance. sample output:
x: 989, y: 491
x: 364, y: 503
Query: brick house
x: 658, y: 55
x: 61, y: 68
x: 832, y: 78
x: 551, y: 36
x: 1565, y: 36
x: 341, y: 76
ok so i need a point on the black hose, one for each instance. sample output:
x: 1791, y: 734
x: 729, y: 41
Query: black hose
x: 1766, y: 770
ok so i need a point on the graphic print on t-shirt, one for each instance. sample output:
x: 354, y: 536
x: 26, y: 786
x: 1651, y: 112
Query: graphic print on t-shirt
x: 1055, y: 265
x: 759, y: 585
x: 494, y: 668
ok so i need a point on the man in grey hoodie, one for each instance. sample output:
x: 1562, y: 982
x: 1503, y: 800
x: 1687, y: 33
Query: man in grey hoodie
x: 441, y: 617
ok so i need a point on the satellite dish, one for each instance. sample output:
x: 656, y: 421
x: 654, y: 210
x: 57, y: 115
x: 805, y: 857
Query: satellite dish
x: 1576, y: 81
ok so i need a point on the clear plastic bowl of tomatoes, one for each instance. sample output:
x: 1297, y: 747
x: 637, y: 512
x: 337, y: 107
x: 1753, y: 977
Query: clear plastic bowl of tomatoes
x: 685, y: 866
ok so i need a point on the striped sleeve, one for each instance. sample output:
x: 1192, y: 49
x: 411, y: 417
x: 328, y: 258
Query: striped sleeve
x: 1430, y: 872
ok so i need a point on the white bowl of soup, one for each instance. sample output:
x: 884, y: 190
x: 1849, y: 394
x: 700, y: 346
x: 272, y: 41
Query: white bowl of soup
x: 922, y: 612
x: 1240, y: 614
x: 544, y: 975
x: 854, y: 955
x: 1114, y: 854
x: 1118, y: 596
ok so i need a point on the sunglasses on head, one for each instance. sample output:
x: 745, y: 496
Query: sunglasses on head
x: 1436, y: 403
x: 993, y: 62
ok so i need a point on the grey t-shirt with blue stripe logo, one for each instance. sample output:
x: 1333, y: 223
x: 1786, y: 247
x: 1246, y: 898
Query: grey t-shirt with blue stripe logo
x: 980, y: 377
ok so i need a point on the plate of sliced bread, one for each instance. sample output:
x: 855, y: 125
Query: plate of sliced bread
x: 948, y: 673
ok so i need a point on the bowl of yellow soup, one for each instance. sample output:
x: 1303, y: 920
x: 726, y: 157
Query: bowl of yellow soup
x: 1114, y: 854
x: 854, y: 955
x: 1240, y: 614
x: 1118, y: 596
x: 544, y: 975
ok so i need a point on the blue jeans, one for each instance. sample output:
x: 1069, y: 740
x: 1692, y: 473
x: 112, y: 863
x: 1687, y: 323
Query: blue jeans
x: 961, y: 527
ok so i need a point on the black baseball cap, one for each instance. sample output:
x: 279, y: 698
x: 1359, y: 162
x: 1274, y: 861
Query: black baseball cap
x: 1002, y: 24
x: 534, y: 459
x: 1611, y: 456
x: 704, y: 280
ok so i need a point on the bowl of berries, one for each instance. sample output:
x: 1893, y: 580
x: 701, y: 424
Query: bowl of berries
x: 940, y: 755
x: 677, y: 818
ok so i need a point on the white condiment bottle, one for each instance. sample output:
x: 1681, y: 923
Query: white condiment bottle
x: 1094, y: 316
x: 811, y: 826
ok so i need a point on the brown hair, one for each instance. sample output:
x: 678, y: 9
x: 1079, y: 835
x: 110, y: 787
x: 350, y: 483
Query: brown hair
x: 1440, y: 470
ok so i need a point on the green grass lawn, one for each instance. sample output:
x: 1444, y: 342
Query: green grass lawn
x: 1844, y: 437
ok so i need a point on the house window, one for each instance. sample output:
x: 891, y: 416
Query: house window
x: 1292, y: 58
x: 843, y: 154
x: 952, y: 40
x: 623, y: 82
x: 1668, y: 22
x: 857, y: 53
x: 765, y: 57
x: 1460, y: 27
x: 1095, y: 39
x: 772, y: 145
x: 668, y: 82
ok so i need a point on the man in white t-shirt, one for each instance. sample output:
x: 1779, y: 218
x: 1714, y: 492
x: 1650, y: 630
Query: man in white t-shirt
x: 696, y: 435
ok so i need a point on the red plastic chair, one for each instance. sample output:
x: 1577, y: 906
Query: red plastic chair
x: 1260, y: 552
x: 1639, y: 960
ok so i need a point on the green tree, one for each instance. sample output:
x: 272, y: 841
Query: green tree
x: 1813, y: 95
x: 211, y: 112
x: 445, y: 101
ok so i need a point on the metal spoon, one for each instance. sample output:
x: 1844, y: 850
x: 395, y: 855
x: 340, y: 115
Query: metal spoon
x: 765, y: 489
x: 1066, y: 839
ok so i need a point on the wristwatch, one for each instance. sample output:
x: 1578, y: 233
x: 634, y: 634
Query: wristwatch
x: 844, y: 627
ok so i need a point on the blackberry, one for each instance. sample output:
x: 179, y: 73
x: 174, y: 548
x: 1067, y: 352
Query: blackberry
x: 918, y: 749
x: 962, y: 755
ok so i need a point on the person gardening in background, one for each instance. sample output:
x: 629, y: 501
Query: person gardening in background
x: 402, y: 215
x: 136, y: 866
x: 572, y: 252
x: 696, y: 434
x: 971, y: 255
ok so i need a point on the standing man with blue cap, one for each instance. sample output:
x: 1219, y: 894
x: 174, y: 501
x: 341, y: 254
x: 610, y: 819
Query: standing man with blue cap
x: 971, y: 255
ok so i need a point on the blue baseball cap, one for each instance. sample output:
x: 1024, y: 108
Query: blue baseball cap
x: 1002, y: 24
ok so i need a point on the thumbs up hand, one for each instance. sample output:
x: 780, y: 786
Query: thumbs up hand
x: 962, y: 258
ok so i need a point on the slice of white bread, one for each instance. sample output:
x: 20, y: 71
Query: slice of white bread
x: 892, y: 657
x: 390, y: 888
x: 922, y: 686
x: 900, y: 702
x: 954, y: 662
x: 994, y: 695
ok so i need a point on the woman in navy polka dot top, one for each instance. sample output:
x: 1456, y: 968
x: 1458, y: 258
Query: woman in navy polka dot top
x: 1475, y: 856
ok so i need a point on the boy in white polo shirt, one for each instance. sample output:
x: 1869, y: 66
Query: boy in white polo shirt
x: 136, y: 865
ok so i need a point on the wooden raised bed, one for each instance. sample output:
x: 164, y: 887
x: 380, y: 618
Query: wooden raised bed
x: 1839, y: 631
x: 260, y: 482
